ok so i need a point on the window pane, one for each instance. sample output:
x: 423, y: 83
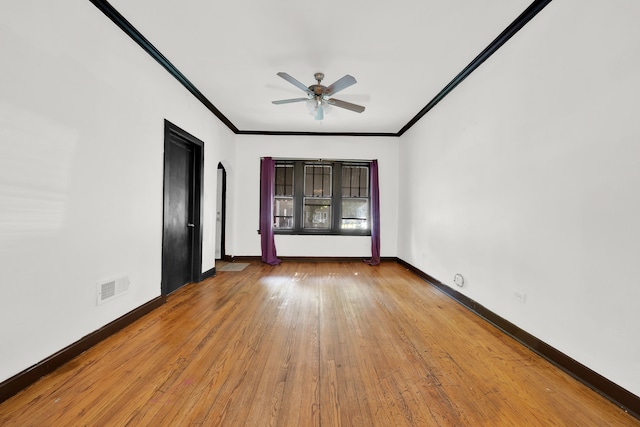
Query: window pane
x: 317, y: 213
x: 355, y: 214
x: 317, y: 180
x: 284, y: 180
x: 283, y: 213
x: 355, y: 181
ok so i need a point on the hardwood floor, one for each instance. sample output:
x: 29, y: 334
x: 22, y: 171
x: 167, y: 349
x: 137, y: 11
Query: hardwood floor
x: 305, y: 344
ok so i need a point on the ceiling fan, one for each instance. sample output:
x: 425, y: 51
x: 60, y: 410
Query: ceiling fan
x: 319, y: 96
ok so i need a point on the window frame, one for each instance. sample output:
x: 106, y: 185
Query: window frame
x: 336, y: 198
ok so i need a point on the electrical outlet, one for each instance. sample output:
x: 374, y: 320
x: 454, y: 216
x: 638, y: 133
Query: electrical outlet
x: 458, y: 280
x: 520, y: 296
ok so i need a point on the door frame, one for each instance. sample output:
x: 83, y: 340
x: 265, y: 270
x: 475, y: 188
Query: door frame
x: 172, y: 132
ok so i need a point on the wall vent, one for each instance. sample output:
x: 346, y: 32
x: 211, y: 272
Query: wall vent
x: 112, y: 288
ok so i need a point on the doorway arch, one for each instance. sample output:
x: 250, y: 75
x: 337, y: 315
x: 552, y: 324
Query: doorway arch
x: 221, y: 208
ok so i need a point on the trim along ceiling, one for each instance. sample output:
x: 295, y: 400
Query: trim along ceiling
x: 406, y: 55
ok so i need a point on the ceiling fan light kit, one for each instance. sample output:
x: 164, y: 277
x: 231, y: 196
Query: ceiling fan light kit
x: 318, y: 98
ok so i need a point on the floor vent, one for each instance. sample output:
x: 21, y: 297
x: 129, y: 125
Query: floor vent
x: 110, y: 289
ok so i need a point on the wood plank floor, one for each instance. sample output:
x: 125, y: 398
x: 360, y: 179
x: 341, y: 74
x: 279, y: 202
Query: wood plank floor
x: 305, y: 344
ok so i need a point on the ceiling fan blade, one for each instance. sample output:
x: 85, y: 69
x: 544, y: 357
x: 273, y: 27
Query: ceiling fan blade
x: 341, y: 84
x: 346, y: 105
x: 319, y: 112
x: 293, y: 81
x: 289, y: 101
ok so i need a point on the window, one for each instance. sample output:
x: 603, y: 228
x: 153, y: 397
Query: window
x: 283, y: 202
x: 355, y: 197
x: 316, y: 201
x: 316, y: 197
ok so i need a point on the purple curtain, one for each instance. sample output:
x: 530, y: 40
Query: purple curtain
x: 267, y: 172
x: 375, y: 216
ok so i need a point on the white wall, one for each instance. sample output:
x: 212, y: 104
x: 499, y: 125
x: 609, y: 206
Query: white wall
x: 82, y: 112
x: 525, y: 179
x: 247, y: 188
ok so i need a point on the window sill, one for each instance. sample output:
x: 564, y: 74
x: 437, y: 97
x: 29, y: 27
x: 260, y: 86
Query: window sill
x: 322, y: 233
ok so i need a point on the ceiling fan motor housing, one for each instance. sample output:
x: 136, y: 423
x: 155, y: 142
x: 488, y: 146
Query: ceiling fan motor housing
x: 317, y: 90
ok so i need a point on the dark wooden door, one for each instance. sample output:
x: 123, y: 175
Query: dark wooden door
x: 182, y: 215
x: 179, y: 215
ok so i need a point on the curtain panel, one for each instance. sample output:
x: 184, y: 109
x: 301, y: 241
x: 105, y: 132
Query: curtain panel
x: 267, y: 192
x: 375, y: 215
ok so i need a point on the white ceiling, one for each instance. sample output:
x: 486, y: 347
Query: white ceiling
x: 402, y: 53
